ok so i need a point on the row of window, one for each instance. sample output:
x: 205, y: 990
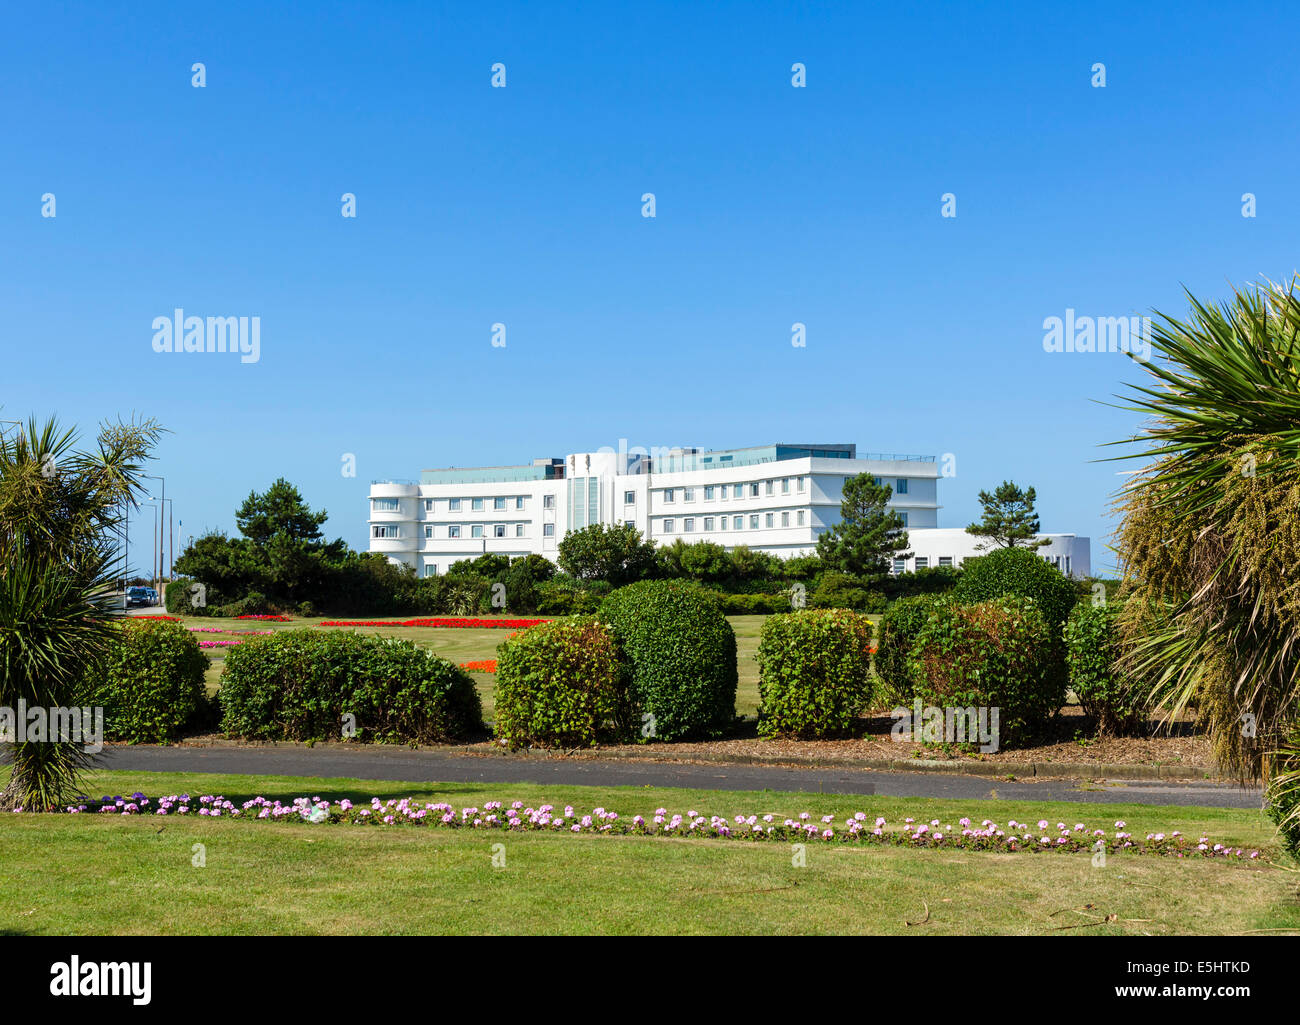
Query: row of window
x: 712, y: 492
x: 923, y: 562
x: 768, y: 520
x: 455, y: 530
x: 456, y: 504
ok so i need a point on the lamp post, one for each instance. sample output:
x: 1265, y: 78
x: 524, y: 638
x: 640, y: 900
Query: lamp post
x: 151, y: 476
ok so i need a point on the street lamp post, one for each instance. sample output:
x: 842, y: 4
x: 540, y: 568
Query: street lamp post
x: 160, y: 524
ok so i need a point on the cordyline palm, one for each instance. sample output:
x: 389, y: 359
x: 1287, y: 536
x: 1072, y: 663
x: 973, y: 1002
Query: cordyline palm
x: 1210, y: 543
x: 59, y: 512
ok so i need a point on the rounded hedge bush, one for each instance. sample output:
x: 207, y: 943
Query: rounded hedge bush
x: 814, y: 672
x: 1091, y: 652
x: 899, y: 626
x: 682, y: 656
x: 301, y: 684
x: 151, y: 684
x: 1018, y: 571
x: 561, y: 684
x: 999, y: 654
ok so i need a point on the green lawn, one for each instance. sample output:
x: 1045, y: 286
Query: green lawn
x: 466, y: 645
x: 87, y: 874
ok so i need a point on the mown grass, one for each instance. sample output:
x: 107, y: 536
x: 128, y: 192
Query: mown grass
x: 87, y: 874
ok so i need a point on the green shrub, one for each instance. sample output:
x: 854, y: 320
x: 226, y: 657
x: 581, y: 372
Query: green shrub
x: 999, y: 653
x: 151, y: 684
x: 1091, y: 652
x: 564, y: 596
x: 814, y: 672
x: 682, y: 653
x: 300, y: 684
x: 1018, y: 571
x: 836, y: 590
x: 252, y: 604
x: 899, y: 627
x: 561, y: 684
x: 751, y: 604
x: 186, y: 597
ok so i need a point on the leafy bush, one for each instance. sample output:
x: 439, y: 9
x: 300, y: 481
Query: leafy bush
x: 1018, y: 571
x: 931, y: 580
x: 814, y: 672
x: 561, y: 684
x: 752, y: 604
x: 999, y: 653
x: 836, y: 590
x: 151, y: 684
x: 1092, y: 650
x: 252, y: 604
x: 682, y: 653
x: 564, y: 596
x: 300, y: 684
x: 899, y: 628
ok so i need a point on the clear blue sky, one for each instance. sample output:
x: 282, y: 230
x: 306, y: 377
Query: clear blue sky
x: 523, y: 206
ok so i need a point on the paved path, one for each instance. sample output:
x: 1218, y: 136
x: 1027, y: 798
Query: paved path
x: 432, y: 766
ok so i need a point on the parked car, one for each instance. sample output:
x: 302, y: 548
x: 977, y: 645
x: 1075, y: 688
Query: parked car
x: 153, y: 596
x: 139, y: 596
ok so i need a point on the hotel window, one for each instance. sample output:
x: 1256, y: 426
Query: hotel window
x: 476, y: 531
x: 519, y: 501
x: 708, y: 524
x: 453, y: 530
x: 1067, y: 565
x: 384, y: 531
x: 753, y: 490
x: 668, y: 526
x: 770, y: 521
x: 922, y: 562
x: 519, y: 530
x: 428, y: 505
x: 631, y: 524
x: 904, y: 517
x: 785, y: 485
x: 476, y: 504
x: 498, y: 503
x: 738, y: 523
x: 945, y: 560
x: 688, y: 524
x: 385, y: 504
x: 785, y: 519
x: 900, y: 565
x: 428, y: 530
x: 770, y: 488
x: 901, y: 489
x: 708, y: 492
x: 548, y: 530
x: 548, y: 501
x: 722, y: 523
x: 738, y: 491
x: 688, y: 494
x: 453, y: 505
x: 629, y: 498
x: 802, y: 483
x: 877, y: 481
x: 430, y: 570
x: 799, y: 517
x: 753, y: 519
x: 668, y: 494
x: 499, y: 530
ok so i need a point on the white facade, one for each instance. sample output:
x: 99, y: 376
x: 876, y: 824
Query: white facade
x: 951, y: 546
x: 774, y: 498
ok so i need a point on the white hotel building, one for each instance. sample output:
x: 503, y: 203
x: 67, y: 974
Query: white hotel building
x: 774, y: 498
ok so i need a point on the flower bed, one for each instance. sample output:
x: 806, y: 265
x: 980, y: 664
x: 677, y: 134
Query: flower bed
x: 268, y: 618
x: 169, y: 619
x: 477, y: 624
x: 858, y: 827
x: 485, y: 665
x: 220, y: 644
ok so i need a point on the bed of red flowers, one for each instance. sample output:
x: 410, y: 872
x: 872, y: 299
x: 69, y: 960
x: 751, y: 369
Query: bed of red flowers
x: 477, y: 624
x: 483, y: 665
x: 268, y: 619
x: 169, y: 619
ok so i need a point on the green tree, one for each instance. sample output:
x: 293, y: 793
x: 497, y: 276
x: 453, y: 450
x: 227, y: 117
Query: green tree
x: 868, y: 535
x: 616, y: 554
x: 1009, y: 518
x: 61, y: 513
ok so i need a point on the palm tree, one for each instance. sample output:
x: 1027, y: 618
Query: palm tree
x: 60, y: 510
x: 1210, y: 543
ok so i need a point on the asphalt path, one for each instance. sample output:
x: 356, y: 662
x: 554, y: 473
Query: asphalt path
x: 402, y: 764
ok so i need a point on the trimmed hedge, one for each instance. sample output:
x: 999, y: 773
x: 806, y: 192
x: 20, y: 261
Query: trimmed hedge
x: 682, y: 654
x: 1091, y: 651
x: 814, y: 672
x: 299, y: 685
x: 837, y: 590
x: 1018, y: 571
x: 561, y: 684
x: 899, y: 627
x: 151, y: 684
x: 1000, y: 654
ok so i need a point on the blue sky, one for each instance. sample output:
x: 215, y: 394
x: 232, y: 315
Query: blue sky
x: 522, y: 205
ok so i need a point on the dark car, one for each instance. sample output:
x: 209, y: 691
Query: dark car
x: 138, y: 596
